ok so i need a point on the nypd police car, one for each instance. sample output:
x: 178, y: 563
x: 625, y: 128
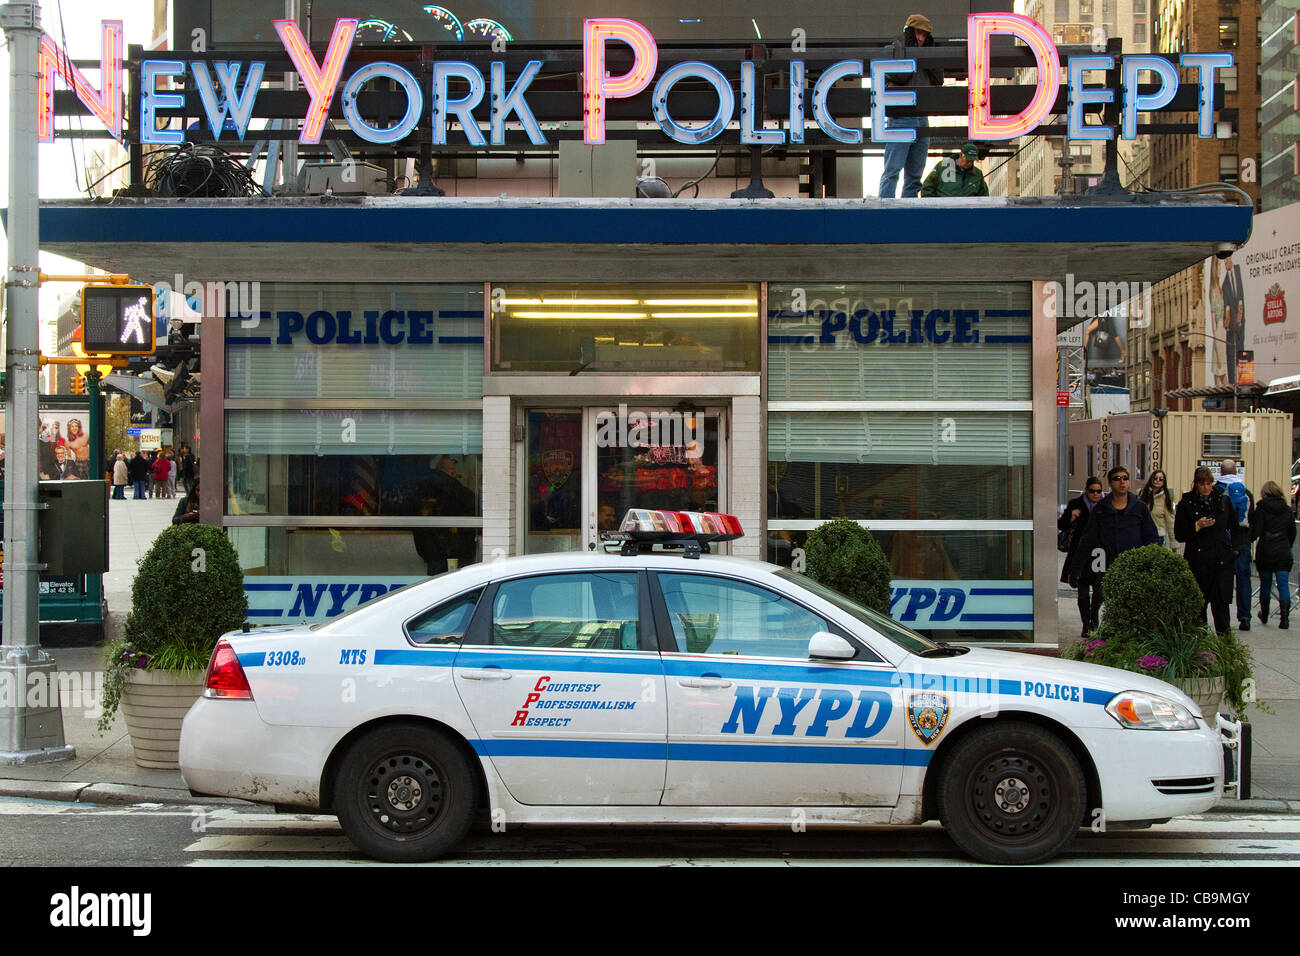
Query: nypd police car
x: 678, y: 687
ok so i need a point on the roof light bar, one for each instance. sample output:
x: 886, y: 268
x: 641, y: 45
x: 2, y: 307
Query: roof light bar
x: 691, y: 531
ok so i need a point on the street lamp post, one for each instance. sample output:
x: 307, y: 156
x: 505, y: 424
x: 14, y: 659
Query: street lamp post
x: 31, y: 723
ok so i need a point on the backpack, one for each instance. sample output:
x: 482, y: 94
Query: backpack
x: 1240, y: 499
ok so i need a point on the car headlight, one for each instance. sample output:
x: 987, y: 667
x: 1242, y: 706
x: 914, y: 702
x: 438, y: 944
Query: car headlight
x: 1138, y: 710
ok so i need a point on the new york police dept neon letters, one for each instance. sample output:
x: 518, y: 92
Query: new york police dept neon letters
x: 224, y: 97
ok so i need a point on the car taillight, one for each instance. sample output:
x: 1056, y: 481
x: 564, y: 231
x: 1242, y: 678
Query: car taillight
x: 225, y: 676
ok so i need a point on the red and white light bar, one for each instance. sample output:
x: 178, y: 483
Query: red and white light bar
x: 644, y: 525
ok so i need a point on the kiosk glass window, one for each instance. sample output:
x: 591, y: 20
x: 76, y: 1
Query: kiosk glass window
x: 624, y: 328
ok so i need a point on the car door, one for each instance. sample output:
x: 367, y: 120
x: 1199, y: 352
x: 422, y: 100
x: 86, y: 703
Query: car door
x: 564, y: 685
x: 753, y: 720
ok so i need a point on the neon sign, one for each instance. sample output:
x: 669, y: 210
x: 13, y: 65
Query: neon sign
x: 224, y: 98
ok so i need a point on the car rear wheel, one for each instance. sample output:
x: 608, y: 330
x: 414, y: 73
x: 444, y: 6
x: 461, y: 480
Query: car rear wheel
x: 405, y: 793
x: 1011, y: 793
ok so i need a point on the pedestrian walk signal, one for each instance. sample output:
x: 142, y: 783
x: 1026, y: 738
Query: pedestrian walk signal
x: 117, y: 319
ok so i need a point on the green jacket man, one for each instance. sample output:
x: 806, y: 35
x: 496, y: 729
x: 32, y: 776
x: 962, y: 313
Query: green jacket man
x: 957, y: 176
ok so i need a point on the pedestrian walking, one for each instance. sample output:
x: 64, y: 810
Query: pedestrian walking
x: 1205, y: 522
x: 171, y: 475
x: 909, y: 158
x: 120, y: 477
x: 1243, y: 503
x: 1119, y: 523
x: 160, y: 472
x: 187, y: 468
x: 1273, y: 526
x: 1074, y: 519
x: 138, y: 472
x: 1155, y: 495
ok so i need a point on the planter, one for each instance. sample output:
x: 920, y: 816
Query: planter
x: 154, y: 703
x: 1207, y: 692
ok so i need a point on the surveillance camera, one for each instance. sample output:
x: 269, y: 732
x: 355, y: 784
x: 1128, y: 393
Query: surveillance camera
x: 1225, y: 250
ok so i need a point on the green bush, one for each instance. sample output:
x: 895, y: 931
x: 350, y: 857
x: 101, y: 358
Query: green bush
x: 1150, y: 591
x: 1153, y: 622
x: 843, y: 555
x: 188, y: 591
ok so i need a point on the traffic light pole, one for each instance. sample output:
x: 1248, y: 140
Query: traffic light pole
x: 31, y: 723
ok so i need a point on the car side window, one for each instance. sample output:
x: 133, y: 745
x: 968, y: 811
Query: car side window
x: 578, y: 611
x: 446, y: 623
x: 721, y: 616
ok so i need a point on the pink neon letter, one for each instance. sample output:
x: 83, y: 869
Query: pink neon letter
x: 105, y: 104
x: 319, y: 80
x: 596, y: 86
x: 979, y: 28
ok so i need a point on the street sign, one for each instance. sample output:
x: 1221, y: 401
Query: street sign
x: 134, y: 431
x: 1062, y: 398
x: 1071, y: 338
x: 117, y: 319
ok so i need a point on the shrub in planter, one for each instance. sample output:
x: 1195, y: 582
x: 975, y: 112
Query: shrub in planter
x: 1150, y: 590
x: 843, y: 555
x: 188, y: 591
x: 1153, y: 623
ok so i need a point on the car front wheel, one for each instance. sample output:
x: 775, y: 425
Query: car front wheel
x: 1011, y: 793
x: 405, y: 793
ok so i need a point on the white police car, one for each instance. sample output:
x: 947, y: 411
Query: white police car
x: 679, y: 689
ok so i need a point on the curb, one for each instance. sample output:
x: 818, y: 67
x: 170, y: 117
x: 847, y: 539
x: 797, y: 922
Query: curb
x: 113, y: 794
x: 1256, y: 806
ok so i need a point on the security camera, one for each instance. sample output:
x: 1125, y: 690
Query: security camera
x: 1224, y: 250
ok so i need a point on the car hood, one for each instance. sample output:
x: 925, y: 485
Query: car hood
x: 1017, y: 666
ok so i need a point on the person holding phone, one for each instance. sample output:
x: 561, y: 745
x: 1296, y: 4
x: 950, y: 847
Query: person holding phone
x: 1207, y: 524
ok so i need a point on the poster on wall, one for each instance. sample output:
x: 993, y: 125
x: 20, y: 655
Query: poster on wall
x: 63, y: 449
x: 1246, y: 300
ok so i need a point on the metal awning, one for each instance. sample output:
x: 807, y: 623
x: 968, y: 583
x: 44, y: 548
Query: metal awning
x: 407, y: 239
x: 1280, y: 385
x: 1217, y: 391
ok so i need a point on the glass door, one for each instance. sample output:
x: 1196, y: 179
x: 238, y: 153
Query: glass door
x: 585, y: 467
x: 663, y: 458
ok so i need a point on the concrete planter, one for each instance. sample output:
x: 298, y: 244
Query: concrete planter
x: 1206, y: 691
x: 154, y: 703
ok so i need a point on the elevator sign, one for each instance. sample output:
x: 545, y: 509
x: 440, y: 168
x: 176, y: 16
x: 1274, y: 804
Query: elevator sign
x: 117, y: 319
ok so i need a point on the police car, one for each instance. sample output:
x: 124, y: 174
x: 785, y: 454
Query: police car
x: 679, y: 687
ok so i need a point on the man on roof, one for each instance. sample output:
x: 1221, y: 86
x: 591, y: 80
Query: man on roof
x: 957, y: 176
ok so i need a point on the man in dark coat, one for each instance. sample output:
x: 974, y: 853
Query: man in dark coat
x: 1206, y: 522
x: 138, y: 471
x: 1119, y: 523
x: 1273, y: 526
x: 1074, y: 519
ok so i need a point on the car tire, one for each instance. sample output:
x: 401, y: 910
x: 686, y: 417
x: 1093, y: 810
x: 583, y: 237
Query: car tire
x: 405, y: 793
x: 1011, y: 793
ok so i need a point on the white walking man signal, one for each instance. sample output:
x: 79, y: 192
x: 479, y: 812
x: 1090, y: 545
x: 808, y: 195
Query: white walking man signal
x: 133, y: 326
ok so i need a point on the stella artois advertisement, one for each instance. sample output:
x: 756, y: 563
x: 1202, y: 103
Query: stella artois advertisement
x: 1269, y: 297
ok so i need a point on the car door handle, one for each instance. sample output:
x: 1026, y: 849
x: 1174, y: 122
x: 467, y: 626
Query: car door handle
x: 703, y: 682
x: 483, y: 673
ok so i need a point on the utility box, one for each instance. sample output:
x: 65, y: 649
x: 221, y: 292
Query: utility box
x: 587, y: 171
x: 344, y: 179
x: 73, y: 527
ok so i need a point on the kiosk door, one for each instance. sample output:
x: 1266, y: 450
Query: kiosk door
x: 585, y: 467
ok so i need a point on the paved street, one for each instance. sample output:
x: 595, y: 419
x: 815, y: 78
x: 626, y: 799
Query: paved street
x: 71, y: 834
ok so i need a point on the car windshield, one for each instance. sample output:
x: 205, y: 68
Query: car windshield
x: 885, y: 626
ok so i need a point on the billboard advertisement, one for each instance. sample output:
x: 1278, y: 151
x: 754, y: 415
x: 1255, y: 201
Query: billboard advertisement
x: 1249, y: 298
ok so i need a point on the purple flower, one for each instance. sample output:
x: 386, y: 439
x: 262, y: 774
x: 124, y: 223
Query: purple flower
x: 1152, y: 663
x: 1092, y: 647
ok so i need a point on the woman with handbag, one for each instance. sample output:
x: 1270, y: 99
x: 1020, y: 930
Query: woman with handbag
x: 1205, y: 522
x: 1070, y: 527
x: 1273, y: 526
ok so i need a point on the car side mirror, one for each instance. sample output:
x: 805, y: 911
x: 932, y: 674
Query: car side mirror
x: 823, y: 644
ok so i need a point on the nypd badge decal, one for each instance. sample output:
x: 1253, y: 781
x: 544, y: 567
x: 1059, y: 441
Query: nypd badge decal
x: 928, y: 715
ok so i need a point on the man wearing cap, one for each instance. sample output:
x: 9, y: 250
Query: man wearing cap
x: 957, y: 176
x: 909, y: 158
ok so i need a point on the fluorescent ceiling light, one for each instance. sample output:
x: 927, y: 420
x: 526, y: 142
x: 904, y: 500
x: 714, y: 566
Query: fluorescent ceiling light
x: 737, y: 303
x: 701, y: 315
x: 587, y: 302
x: 579, y: 315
